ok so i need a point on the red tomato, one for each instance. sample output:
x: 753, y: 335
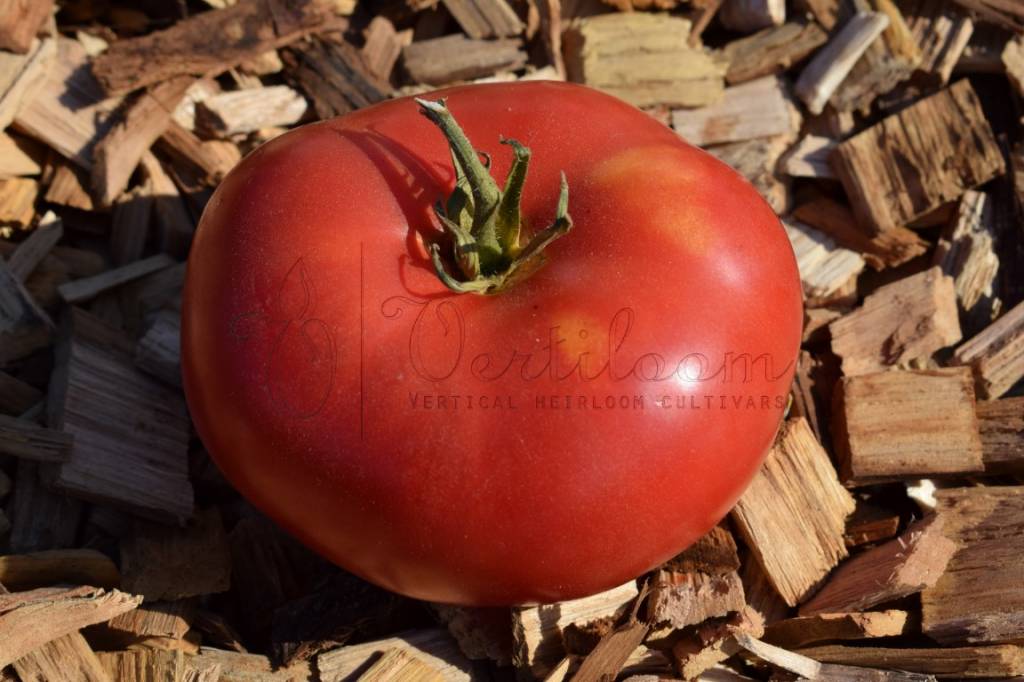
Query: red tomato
x: 544, y: 443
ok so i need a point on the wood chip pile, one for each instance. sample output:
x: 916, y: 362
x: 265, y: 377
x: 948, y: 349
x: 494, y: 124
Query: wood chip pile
x: 883, y: 538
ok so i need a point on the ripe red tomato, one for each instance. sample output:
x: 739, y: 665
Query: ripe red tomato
x: 547, y: 442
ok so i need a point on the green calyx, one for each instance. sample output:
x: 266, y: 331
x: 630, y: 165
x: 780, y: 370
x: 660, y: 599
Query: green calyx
x: 484, y: 221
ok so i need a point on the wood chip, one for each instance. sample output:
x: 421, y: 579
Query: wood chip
x: 434, y: 648
x: 40, y: 519
x: 801, y: 631
x: 30, y: 619
x: 755, y: 160
x: 27, y: 440
x: 397, y: 665
x: 245, y: 111
x: 758, y: 108
x: 36, y: 247
x: 131, y: 433
x: 771, y: 51
x: 870, y: 524
x: 901, y: 322
x: 20, y: 22
x: 824, y: 266
x: 16, y: 396
x: 948, y: 663
x: 89, y: 287
x: 893, y: 177
x: 644, y: 59
x: 65, y: 659
x: 895, y: 425
x: 17, y: 202
x: 712, y: 642
x: 455, y: 57
x: 996, y: 355
x: 15, y: 160
x: 69, y: 186
x: 143, y: 664
x: 52, y: 567
x: 24, y: 326
x: 23, y: 76
x: 967, y: 254
x: 165, y: 562
x: 942, y: 31
x: 1001, y: 426
x: 537, y: 631
x: 978, y: 599
x: 246, y: 30
x: 901, y: 567
x: 809, y: 158
x: 383, y: 47
x: 485, y: 18
x: 747, y: 16
x: 159, y: 350
x: 796, y: 548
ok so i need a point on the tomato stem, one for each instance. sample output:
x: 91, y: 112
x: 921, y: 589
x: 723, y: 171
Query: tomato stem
x: 485, y: 222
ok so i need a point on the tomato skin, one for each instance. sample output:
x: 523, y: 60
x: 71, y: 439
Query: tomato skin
x: 317, y: 345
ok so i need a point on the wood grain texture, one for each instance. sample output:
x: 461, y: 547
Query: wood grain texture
x: 771, y: 50
x: 758, y: 108
x: 996, y: 355
x: 1001, y: 426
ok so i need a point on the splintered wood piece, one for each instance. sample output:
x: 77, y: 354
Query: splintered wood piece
x: 14, y: 160
x: 809, y: 158
x: 70, y: 112
x: 771, y: 51
x: 168, y: 620
x: 142, y: 123
x: 159, y: 350
x: 978, y: 599
x: 30, y: 619
x: 131, y: 433
x: 335, y: 76
x: 130, y: 226
x: 457, y: 57
x: 869, y: 524
x: 946, y: 663
x: 611, y: 653
x: 52, y: 567
x: 789, y: 661
x: 434, y: 648
x: 942, y: 31
x: 28, y: 440
x: 826, y: 71
x: 801, y: 631
x: 16, y: 396
x: 89, y: 287
x: 996, y: 355
x: 65, y: 659
x: 69, y: 186
x: 906, y: 424
x: 1001, y: 425
x: 885, y: 249
x: 245, y: 111
x: 698, y: 584
x: 755, y: 160
x: 713, y: 641
x: 206, y: 160
x: 796, y: 547
x: 537, y: 631
x: 166, y: 562
x: 23, y: 76
x: 383, y: 47
x: 747, y: 16
x: 143, y: 664
x: 40, y: 519
x: 24, y: 326
x: 758, y: 108
x: 20, y: 21
x: 900, y: 567
x: 907, y: 320
x: 893, y: 176
x: 967, y: 254
x: 36, y: 247
x: 485, y: 18
x: 17, y: 201
x: 644, y: 59
x: 244, y: 31
x: 761, y: 595
x: 824, y: 266
x: 399, y: 666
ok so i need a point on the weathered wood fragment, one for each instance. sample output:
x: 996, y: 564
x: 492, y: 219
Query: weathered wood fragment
x: 824, y: 266
x: 978, y: 598
x: 17, y: 202
x: 713, y: 641
x: 52, y: 567
x: 809, y: 158
x: 27, y: 440
x: 996, y: 355
x: 967, y: 254
x: 947, y: 663
x: 337, y: 79
x: 65, y: 659
x: 758, y: 108
x: 942, y: 31
x: 159, y: 350
x: 24, y: 326
x: 20, y: 21
x: 645, y: 59
x: 23, y: 76
x: 1001, y: 426
x: 905, y: 424
x: 795, y: 548
x: 397, y: 665
x: 246, y: 111
x: 17, y: 396
x: 869, y: 524
x: 455, y: 57
x: 83, y: 289
x: 142, y: 664
x: 485, y: 18
x: 898, y: 323
x: 130, y: 226
x: 15, y: 161
x: 36, y: 247
x: 68, y: 185
x: 434, y: 648
x: 40, y: 519
x: 747, y: 16
x: 892, y: 176
x: 771, y: 51
x: 755, y: 160
x: 801, y: 631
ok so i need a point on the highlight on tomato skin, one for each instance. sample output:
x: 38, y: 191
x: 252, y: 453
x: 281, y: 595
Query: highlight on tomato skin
x: 475, y: 383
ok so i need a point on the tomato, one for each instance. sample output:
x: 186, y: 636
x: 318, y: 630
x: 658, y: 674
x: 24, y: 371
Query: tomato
x: 549, y: 441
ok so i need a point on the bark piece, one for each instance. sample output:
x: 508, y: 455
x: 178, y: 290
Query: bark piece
x: 41, y: 519
x: 901, y: 567
x: 455, y: 57
x: 485, y: 18
x: 826, y: 71
x: 245, y: 30
x: 978, y: 599
x: 245, y: 111
x: 967, y: 254
x: 1001, y: 426
x: 747, y: 16
x: 824, y: 266
x: 30, y: 619
x: 758, y: 108
x: 83, y: 289
x: 131, y: 433
x: 70, y: 112
x: 885, y: 249
x: 434, y: 648
x: 895, y: 425
x: 996, y: 355
x: 27, y: 440
x: 23, y: 76
x: 20, y: 21
x: 942, y: 31
x: 164, y: 562
x: 950, y: 663
x: 65, y: 659
x: 336, y: 78
x: 893, y: 176
x: 36, y: 247
x: 755, y: 160
x: 795, y: 547
x: 801, y: 631
x: 901, y: 322
x: 73, y: 566
x: 771, y: 51
x: 538, y: 631
x: 644, y: 59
